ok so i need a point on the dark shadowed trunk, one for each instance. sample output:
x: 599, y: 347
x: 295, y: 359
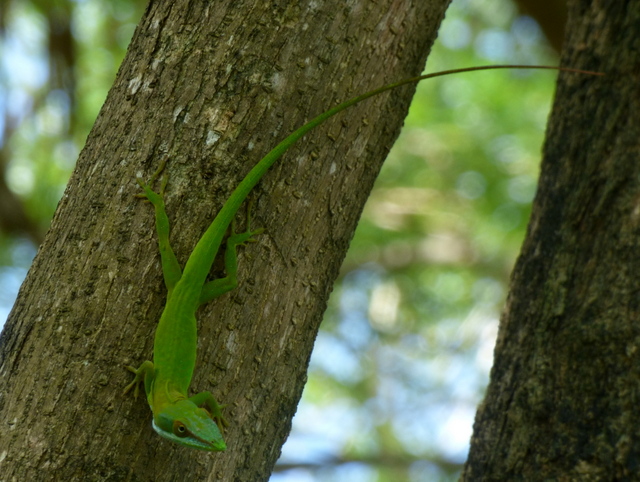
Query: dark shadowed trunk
x: 563, y: 399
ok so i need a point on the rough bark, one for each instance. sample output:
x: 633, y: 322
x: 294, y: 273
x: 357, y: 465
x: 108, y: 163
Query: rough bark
x: 213, y: 85
x: 562, y: 403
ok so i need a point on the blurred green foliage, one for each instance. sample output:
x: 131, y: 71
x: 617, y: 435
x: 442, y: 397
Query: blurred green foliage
x: 59, y: 59
x: 406, y: 345
x: 407, y: 342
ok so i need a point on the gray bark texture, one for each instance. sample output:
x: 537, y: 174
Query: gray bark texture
x: 213, y: 86
x: 563, y: 399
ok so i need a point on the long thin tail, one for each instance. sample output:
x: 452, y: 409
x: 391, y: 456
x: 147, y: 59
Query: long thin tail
x: 254, y: 176
x: 208, y: 244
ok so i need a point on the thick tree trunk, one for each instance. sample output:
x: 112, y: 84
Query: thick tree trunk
x: 213, y: 86
x: 563, y: 399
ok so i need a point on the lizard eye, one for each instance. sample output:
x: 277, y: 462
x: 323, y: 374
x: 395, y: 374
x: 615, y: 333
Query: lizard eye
x: 179, y: 429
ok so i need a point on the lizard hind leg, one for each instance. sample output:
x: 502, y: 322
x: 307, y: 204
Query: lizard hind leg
x: 171, y: 270
x: 147, y: 186
x: 220, y: 286
x: 240, y: 239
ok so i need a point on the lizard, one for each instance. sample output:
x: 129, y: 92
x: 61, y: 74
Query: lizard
x: 197, y: 421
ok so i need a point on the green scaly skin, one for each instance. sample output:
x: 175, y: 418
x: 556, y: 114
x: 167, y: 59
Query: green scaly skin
x: 198, y: 421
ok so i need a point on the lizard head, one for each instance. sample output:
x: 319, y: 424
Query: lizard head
x: 187, y: 424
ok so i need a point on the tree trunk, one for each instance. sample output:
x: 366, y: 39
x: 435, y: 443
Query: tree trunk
x: 563, y: 398
x: 213, y: 87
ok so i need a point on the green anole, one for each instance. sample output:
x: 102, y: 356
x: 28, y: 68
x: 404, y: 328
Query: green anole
x: 197, y: 421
